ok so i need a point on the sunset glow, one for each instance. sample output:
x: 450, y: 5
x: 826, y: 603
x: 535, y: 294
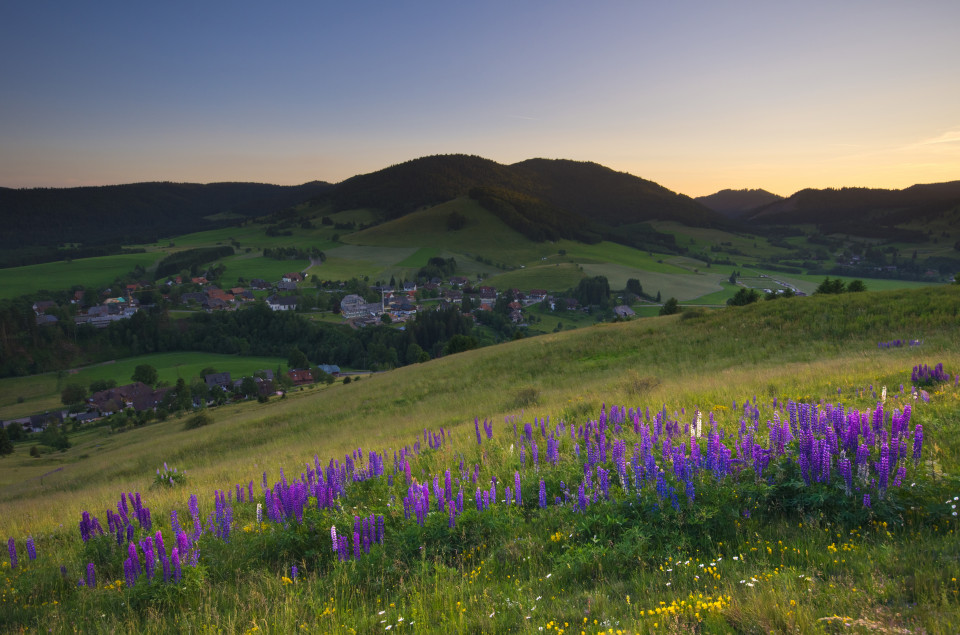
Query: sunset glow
x: 697, y: 96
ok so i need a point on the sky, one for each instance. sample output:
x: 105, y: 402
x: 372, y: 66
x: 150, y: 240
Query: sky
x: 695, y: 95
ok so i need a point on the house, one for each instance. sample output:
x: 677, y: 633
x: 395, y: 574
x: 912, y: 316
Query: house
x: 286, y: 285
x: 46, y: 320
x: 187, y: 298
x: 409, y: 287
x: 330, y: 369
x: 623, y: 311
x: 352, y: 306
x: 221, y: 380
x: 300, y: 377
x: 488, y: 293
x: 293, y: 277
x: 259, y: 284
x: 42, y: 306
x: 277, y: 303
x: 458, y: 281
x: 201, y: 280
x: 138, y: 396
x: 516, y: 317
x: 77, y: 297
x: 453, y: 295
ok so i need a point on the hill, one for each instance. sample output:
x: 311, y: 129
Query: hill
x: 135, y: 213
x: 734, y: 203
x: 543, y: 199
x: 863, y: 211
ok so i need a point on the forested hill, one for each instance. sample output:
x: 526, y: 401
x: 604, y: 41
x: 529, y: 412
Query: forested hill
x: 735, y: 203
x: 139, y: 212
x: 596, y: 194
x: 856, y: 210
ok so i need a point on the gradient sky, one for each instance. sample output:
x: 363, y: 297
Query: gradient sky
x: 697, y: 96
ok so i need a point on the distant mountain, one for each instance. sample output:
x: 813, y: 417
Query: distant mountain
x: 541, y: 198
x: 139, y: 212
x: 861, y: 211
x: 735, y: 203
x: 582, y: 188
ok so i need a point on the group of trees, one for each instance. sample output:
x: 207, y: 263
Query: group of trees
x: 190, y: 260
x: 835, y: 286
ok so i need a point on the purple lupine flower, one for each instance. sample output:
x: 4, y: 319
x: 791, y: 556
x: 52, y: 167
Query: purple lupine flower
x: 866, y: 500
x: 356, y: 545
x: 901, y: 472
x: 129, y: 572
x: 31, y: 549
x: 175, y: 559
x: 917, y: 443
x: 12, y: 549
x: 293, y: 573
x: 543, y: 494
x: 91, y: 576
x: 516, y: 482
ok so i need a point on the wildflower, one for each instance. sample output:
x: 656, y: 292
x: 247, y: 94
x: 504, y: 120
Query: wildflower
x: 31, y: 549
x: 12, y: 549
x: 293, y: 572
x: 91, y: 576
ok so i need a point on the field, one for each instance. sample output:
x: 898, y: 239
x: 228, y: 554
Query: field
x: 701, y: 543
x: 55, y: 276
x: 41, y: 392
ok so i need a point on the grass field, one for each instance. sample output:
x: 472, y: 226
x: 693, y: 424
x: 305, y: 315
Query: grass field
x: 555, y: 277
x: 88, y: 272
x: 41, y: 392
x: 741, y: 554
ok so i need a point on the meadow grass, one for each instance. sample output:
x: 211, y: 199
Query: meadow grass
x: 91, y: 273
x: 614, y: 566
x: 42, y: 392
x: 555, y: 277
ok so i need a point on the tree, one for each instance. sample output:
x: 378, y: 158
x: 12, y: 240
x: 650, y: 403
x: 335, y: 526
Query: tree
x: 829, y: 286
x: 733, y: 277
x: 6, y: 445
x: 297, y: 359
x: 73, y: 394
x: 856, y: 286
x: 460, y: 343
x: 744, y: 297
x: 634, y: 287
x: 102, y: 384
x: 15, y: 431
x: 670, y: 307
x: 248, y: 386
x: 145, y: 373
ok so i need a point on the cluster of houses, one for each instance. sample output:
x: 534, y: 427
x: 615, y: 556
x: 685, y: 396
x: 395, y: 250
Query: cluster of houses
x: 400, y: 304
x: 140, y: 397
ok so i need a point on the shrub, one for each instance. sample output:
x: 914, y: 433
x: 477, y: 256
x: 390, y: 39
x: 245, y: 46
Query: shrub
x: 202, y: 418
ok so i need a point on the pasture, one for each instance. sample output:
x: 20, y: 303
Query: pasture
x: 756, y: 546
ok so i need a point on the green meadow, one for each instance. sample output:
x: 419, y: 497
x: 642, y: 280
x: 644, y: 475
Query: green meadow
x: 736, y: 553
x: 21, y: 396
x: 55, y: 276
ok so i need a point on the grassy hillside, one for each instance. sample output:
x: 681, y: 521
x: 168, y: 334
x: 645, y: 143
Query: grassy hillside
x: 777, y: 554
x: 21, y: 396
x: 54, y: 276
